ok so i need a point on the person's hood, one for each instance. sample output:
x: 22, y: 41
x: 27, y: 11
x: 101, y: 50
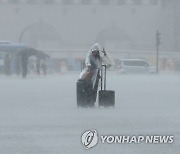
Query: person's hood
x: 96, y: 46
x: 107, y: 60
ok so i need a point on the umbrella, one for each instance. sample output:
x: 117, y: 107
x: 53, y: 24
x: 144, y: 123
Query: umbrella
x: 33, y: 52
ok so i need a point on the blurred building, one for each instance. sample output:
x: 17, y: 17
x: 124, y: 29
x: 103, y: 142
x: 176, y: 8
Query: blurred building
x: 71, y: 25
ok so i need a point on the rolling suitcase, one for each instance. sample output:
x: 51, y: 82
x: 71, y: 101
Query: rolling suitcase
x: 84, y: 94
x: 106, y: 97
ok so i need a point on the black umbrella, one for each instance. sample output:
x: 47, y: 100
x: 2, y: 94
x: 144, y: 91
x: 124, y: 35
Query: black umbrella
x: 28, y: 52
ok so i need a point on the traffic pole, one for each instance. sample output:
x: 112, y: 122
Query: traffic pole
x: 157, y: 60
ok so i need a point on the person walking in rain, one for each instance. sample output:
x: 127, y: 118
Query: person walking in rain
x: 24, y: 63
x: 38, y: 66
x: 44, y: 66
x: 94, y: 60
x: 7, y: 63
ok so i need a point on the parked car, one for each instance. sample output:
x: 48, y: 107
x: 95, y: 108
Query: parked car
x: 127, y: 66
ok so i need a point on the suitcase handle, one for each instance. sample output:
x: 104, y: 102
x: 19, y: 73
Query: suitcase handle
x: 82, y: 64
x: 103, y: 78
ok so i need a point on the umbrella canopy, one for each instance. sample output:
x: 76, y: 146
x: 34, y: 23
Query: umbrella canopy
x: 33, y: 52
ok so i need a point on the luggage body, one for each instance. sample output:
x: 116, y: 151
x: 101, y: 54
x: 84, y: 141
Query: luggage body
x: 85, y: 94
x: 106, y: 97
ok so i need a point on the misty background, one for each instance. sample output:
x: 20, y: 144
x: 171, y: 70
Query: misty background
x: 74, y: 25
x: 66, y: 29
